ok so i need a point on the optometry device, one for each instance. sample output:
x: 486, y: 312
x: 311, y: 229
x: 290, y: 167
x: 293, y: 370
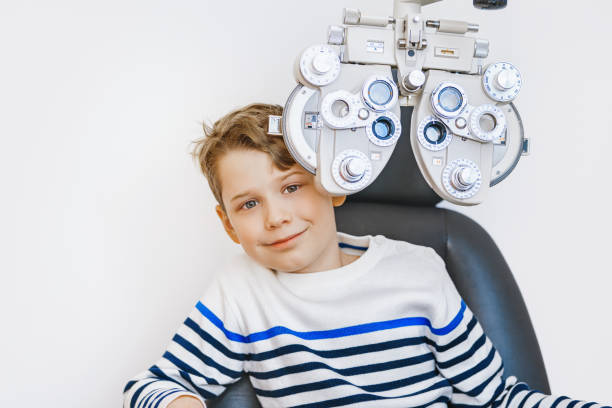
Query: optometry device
x: 342, y: 120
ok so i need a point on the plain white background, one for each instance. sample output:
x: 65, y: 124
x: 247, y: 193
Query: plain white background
x: 108, y: 232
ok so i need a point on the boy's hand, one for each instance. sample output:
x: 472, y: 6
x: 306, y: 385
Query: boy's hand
x: 186, y: 402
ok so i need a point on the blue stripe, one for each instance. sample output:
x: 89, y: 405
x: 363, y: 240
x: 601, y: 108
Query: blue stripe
x: 334, y: 333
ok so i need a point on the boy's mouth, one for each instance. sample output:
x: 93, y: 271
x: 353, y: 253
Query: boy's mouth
x: 280, y: 241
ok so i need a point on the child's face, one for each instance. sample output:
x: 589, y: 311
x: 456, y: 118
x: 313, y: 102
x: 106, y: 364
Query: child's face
x: 277, y: 204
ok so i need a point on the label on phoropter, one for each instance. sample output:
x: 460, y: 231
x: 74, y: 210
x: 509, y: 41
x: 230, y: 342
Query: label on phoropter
x: 311, y: 120
x: 375, y: 46
x: 447, y: 52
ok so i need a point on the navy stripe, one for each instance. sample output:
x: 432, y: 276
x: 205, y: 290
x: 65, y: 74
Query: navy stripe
x: 213, y: 341
x: 181, y: 365
x: 479, y: 389
x: 462, y: 357
x: 145, y: 399
x: 524, y: 401
x: 460, y: 339
x: 333, y: 333
x: 345, y: 245
x: 344, y: 352
x: 361, y: 398
x: 364, y: 369
x: 208, y: 361
x: 164, y: 396
x: 571, y: 404
x: 159, y: 373
x: 558, y: 401
x: 129, y: 385
x: 161, y: 395
x: 334, y: 382
x: 138, y: 392
x: 477, y: 368
x: 537, y: 405
x: 515, y: 390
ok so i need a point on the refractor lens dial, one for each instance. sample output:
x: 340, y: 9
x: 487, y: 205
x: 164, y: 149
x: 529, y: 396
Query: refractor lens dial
x: 379, y: 93
x: 319, y: 65
x: 352, y: 170
x: 462, y: 178
x: 448, y: 100
x: 433, y: 134
x: 385, y: 129
x: 502, y: 81
x: 487, y: 122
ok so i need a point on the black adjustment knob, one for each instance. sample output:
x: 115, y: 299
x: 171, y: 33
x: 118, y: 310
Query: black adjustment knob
x: 490, y: 4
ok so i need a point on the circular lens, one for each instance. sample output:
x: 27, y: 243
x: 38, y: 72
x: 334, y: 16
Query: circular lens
x: 450, y: 99
x: 340, y: 108
x: 380, y: 92
x: 434, y: 132
x: 487, y: 122
x: 383, y: 128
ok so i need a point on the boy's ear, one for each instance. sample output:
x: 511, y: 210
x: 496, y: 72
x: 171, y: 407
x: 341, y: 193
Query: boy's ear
x: 338, y: 201
x: 227, y: 224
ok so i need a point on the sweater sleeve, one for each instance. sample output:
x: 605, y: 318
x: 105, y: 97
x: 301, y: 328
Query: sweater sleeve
x: 466, y: 357
x: 203, y: 357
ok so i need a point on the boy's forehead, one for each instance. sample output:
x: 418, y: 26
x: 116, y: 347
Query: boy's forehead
x: 245, y: 170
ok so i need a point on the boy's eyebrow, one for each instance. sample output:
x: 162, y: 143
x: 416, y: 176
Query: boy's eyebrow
x: 237, y: 196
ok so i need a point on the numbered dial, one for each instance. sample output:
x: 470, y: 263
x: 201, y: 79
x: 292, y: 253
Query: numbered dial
x: 433, y: 134
x: 320, y: 65
x: 379, y: 93
x: 502, y: 81
x: 385, y: 129
x: 352, y: 170
x: 448, y: 100
x: 340, y: 109
x: 487, y: 122
x: 462, y: 178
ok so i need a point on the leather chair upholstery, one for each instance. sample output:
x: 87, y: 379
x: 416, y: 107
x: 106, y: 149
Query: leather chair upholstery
x: 400, y: 205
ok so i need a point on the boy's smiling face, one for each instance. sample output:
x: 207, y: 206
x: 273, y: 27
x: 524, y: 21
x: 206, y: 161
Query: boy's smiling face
x: 265, y: 205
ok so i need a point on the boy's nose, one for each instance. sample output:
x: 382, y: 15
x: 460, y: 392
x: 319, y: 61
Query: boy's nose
x: 277, y: 215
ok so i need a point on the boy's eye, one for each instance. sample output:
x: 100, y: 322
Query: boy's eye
x: 246, y: 205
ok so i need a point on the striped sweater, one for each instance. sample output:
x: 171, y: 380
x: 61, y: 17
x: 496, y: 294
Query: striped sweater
x: 387, y: 330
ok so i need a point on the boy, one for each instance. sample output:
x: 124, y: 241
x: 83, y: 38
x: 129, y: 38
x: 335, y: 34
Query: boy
x: 316, y: 317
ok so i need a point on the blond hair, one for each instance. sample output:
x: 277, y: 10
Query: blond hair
x: 242, y: 129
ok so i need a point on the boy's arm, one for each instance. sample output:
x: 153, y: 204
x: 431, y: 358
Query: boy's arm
x: 204, y: 356
x: 466, y: 357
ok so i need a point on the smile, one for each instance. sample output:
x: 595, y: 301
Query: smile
x: 286, y: 241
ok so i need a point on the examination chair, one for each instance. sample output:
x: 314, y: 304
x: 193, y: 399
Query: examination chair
x: 400, y: 205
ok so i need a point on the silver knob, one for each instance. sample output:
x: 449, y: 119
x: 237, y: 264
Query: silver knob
x: 505, y: 80
x: 335, y: 35
x: 352, y: 169
x: 464, y: 178
x: 414, y: 80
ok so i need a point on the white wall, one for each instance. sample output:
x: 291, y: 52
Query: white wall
x: 108, y: 231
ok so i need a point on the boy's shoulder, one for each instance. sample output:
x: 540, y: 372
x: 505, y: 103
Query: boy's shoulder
x: 408, y: 250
